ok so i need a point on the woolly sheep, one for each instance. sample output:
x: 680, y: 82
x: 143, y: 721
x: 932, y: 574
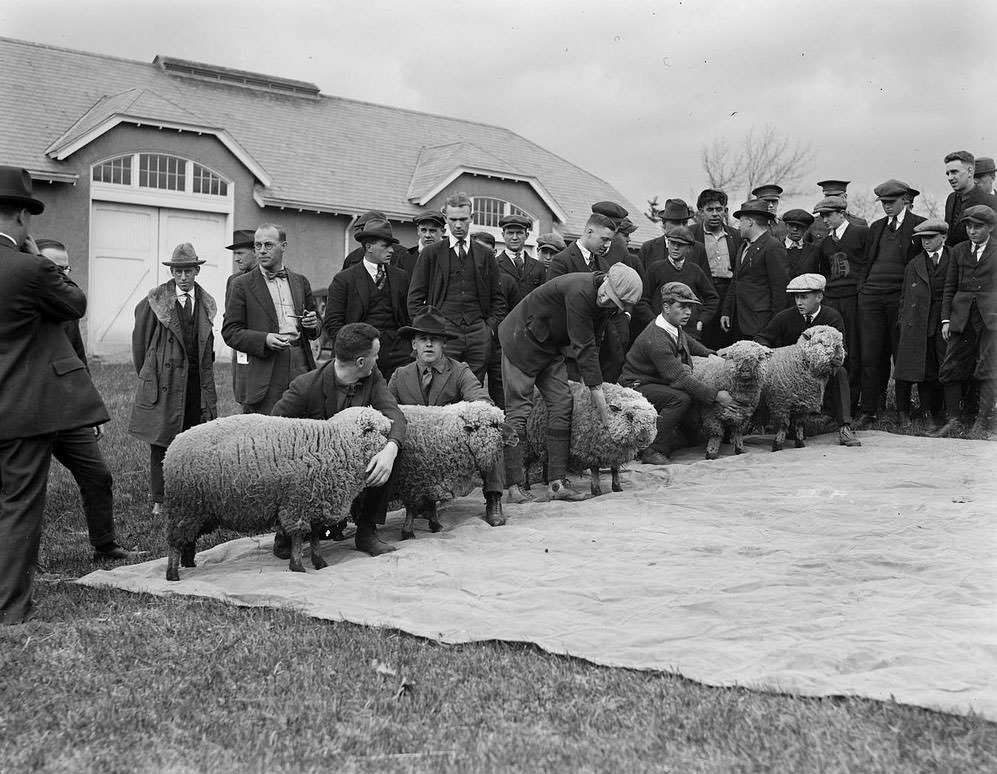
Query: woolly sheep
x: 795, y: 378
x: 251, y: 473
x: 740, y: 370
x: 446, y: 451
x: 632, y: 427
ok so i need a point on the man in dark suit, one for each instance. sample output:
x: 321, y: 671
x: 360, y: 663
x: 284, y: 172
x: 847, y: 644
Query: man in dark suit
x: 437, y: 380
x: 514, y: 261
x: 890, y: 247
x: 459, y: 277
x: 836, y: 188
x: 356, y: 254
x: 350, y: 379
x: 675, y: 214
x: 270, y: 316
x: 244, y: 257
x: 758, y: 289
x: 722, y: 244
x: 44, y: 387
x: 430, y: 227
x: 373, y: 291
x: 802, y: 257
x: 960, y: 167
x: 969, y: 322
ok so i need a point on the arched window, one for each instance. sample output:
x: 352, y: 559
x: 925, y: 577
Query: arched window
x: 488, y: 211
x: 160, y: 171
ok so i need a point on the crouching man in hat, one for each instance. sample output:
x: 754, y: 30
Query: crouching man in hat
x: 659, y: 367
x: 173, y: 349
x: 785, y: 328
x: 437, y: 380
x: 566, y: 316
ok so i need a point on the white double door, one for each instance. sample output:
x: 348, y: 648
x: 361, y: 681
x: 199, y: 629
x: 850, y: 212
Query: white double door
x: 128, y: 244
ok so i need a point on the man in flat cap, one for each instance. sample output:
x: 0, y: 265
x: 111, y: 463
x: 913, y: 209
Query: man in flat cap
x: 173, y: 351
x: 721, y: 244
x: 659, y: 367
x: 356, y: 254
x: 459, y: 277
x: 514, y: 261
x: 430, y: 227
x: 960, y: 167
x: 566, y: 316
x: 771, y: 194
x: 984, y: 173
x: 270, y: 316
x: 549, y: 245
x: 920, y: 347
x: 675, y: 214
x: 374, y: 291
x: 244, y: 258
x: 758, y: 289
x: 836, y: 188
x: 617, y: 251
x: 44, y: 386
x: 802, y: 257
x: 969, y: 322
x: 890, y: 247
x: 807, y: 292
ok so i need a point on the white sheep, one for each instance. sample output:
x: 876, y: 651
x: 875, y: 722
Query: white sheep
x: 446, y: 451
x: 740, y: 371
x: 795, y: 377
x: 252, y: 473
x: 632, y: 427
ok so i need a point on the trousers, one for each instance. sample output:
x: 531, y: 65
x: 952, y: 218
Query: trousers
x: 80, y: 454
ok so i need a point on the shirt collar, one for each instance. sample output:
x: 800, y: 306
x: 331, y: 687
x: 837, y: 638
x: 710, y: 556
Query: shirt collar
x: 12, y: 240
x: 900, y: 217
x: 454, y: 240
x: 840, y: 230
x: 370, y: 267
x: 791, y: 242
x: 814, y: 313
x: 181, y: 294
x: 974, y: 249
x: 586, y: 254
x: 666, y: 326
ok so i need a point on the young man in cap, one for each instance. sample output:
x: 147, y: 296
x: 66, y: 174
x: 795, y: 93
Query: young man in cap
x: 173, y: 350
x: 77, y: 449
x: 758, y: 288
x: 969, y: 322
x: 356, y: 254
x: 270, y: 316
x: 373, y: 291
x: 44, y: 387
x: 459, y: 277
x: 351, y: 379
x: 548, y: 245
x: 802, y: 257
x: 430, y: 227
x: 836, y: 188
x: 771, y: 194
x: 921, y: 348
x: 960, y: 167
x: 807, y: 292
x: 984, y: 173
x: 514, y: 261
x: 437, y: 380
x: 617, y: 251
x: 678, y: 268
x: 722, y: 244
x: 659, y: 366
x: 244, y: 257
x: 890, y: 247
x: 675, y: 214
x: 565, y: 316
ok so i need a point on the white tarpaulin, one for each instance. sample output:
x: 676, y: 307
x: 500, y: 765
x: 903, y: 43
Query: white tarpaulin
x: 817, y: 571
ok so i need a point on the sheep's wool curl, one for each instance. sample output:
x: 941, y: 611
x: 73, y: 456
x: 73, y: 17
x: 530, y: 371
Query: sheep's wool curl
x: 741, y: 371
x: 796, y: 375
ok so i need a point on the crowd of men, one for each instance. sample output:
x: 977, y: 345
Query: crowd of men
x: 451, y: 319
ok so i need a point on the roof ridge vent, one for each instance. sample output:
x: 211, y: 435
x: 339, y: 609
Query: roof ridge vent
x: 186, y: 68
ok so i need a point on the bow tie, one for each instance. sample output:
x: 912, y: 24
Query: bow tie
x: 350, y: 389
x: 282, y: 274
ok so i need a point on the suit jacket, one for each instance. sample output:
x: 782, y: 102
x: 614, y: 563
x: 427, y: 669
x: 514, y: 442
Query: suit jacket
x: 911, y: 244
x: 348, y: 300
x: 656, y: 249
x: 785, y: 328
x: 956, y: 204
x: 250, y: 315
x: 967, y: 281
x: 453, y: 382
x: 44, y: 386
x: 432, y: 272
x: 802, y: 260
x: 758, y: 289
x: 238, y: 369
x: 920, y: 314
x: 534, y: 275
x: 570, y: 260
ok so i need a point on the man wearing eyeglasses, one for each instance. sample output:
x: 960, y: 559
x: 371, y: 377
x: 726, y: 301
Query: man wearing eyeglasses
x: 270, y: 317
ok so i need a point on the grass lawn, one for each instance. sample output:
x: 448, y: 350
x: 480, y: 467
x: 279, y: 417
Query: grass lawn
x: 108, y: 681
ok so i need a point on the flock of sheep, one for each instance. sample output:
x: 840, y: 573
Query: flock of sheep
x: 253, y: 473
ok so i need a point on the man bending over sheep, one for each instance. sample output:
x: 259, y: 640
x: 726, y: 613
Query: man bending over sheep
x: 351, y: 379
x: 659, y: 366
x: 437, y: 380
x: 566, y: 316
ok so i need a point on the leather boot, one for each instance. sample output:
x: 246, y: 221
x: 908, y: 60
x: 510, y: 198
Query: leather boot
x: 493, y: 509
x: 366, y: 540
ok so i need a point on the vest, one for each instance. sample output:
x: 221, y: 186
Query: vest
x: 189, y: 330
x: 886, y: 272
x: 461, y: 305
x: 379, y: 312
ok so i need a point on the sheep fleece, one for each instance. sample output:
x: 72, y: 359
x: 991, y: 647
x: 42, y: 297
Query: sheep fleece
x: 796, y: 375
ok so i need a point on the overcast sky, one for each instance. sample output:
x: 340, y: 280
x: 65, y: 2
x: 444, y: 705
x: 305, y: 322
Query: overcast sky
x: 630, y: 90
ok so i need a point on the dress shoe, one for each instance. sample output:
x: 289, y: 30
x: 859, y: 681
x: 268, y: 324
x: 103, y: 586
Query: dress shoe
x: 951, y: 429
x: 846, y: 436
x: 366, y: 540
x: 866, y: 421
x: 565, y: 490
x: 113, y: 552
x: 493, y: 509
x: 652, y: 457
x: 157, y: 509
x: 517, y: 495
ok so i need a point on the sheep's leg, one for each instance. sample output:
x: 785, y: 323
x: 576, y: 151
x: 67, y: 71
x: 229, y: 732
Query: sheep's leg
x: 318, y: 561
x: 172, y: 564
x: 408, y: 528
x: 782, y: 425
x: 615, y: 473
x: 297, y: 547
x: 434, y: 518
x: 713, y: 445
x: 595, y: 485
x: 737, y: 438
x: 187, y: 555
x: 800, y: 432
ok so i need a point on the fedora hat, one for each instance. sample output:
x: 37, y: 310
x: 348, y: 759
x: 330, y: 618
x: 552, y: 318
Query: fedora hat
x: 984, y: 166
x: 15, y: 188
x: 376, y: 229
x: 675, y: 209
x: 242, y: 239
x: 755, y: 207
x: 429, y: 322
x: 183, y: 257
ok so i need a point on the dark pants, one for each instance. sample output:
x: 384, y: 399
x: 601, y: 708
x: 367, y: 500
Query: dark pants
x: 79, y: 452
x: 878, y: 314
x: 395, y: 352
x: 837, y: 397
x: 495, y: 390
x: 473, y: 345
x: 970, y: 354
x: 712, y: 336
x: 848, y: 308
x: 287, y: 364
x: 615, y: 343
x: 552, y: 382
x: 191, y: 417
x: 24, y: 465
x: 674, y: 410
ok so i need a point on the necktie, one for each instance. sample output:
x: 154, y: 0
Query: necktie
x: 810, y: 319
x: 934, y: 259
x: 281, y: 273
x: 978, y: 252
x: 426, y: 380
x: 187, y: 311
x: 461, y: 252
x: 893, y: 225
x: 379, y: 278
x: 518, y: 260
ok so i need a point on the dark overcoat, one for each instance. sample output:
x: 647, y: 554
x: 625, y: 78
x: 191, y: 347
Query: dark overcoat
x: 920, y: 314
x: 758, y: 288
x: 967, y: 281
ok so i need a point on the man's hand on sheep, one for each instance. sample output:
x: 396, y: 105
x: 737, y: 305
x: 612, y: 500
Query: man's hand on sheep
x: 599, y: 399
x: 725, y: 323
x: 277, y: 341
x: 309, y: 320
x: 380, y: 465
x: 724, y: 399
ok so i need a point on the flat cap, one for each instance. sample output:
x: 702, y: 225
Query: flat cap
x: 891, y: 189
x: 984, y: 166
x: 830, y: 204
x: 931, y: 227
x: 509, y: 221
x: 833, y: 187
x: 551, y: 241
x: 430, y: 217
x: 678, y: 291
x: 675, y: 209
x: 623, y: 284
x: 681, y: 234
x: 369, y: 216
x: 755, y: 207
x: 980, y: 213
x: 767, y: 191
x: 627, y: 226
x: 610, y: 210
x: 807, y: 283
x: 484, y: 236
x: 802, y: 217
x: 242, y: 239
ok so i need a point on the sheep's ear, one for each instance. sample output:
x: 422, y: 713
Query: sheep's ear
x: 806, y: 335
x: 615, y: 407
x: 469, y: 428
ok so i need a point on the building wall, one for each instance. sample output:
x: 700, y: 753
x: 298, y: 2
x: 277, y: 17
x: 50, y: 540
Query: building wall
x: 520, y: 194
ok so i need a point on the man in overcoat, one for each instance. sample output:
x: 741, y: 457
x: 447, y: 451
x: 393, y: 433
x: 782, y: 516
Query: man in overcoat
x: 44, y: 387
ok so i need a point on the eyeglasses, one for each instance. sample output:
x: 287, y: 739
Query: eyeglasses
x: 266, y: 245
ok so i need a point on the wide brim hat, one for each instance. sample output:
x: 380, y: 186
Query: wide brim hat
x: 429, y: 322
x: 242, y: 239
x: 16, y: 188
x: 984, y: 166
x: 183, y: 257
x: 755, y: 207
x: 376, y: 229
x: 675, y: 209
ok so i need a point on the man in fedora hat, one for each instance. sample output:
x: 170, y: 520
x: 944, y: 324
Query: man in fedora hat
x: 721, y: 244
x: 567, y: 315
x: 430, y: 227
x: 373, y: 291
x: 960, y: 168
x: 984, y: 173
x: 758, y: 287
x: 675, y: 214
x: 173, y: 350
x: 44, y: 386
x: 244, y: 257
x: 437, y: 380
x: 270, y: 316
x: 356, y: 254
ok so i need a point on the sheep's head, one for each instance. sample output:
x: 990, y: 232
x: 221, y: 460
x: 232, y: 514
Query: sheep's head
x: 370, y: 425
x: 632, y: 419
x: 487, y: 432
x: 822, y: 348
x: 748, y: 358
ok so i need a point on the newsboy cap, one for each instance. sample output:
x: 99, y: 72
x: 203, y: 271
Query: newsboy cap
x: 623, y: 284
x: 767, y: 191
x: 184, y: 257
x: 678, y: 291
x: 610, y: 210
x: 830, y: 204
x: 513, y: 220
x: 984, y: 166
x: 484, y: 236
x: 980, y: 213
x: 551, y: 241
x: 681, y: 234
x: 891, y: 189
x: 931, y: 227
x: 833, y: 187
x: 430, y: 217
x: 242, y: 239
x: 755, y: 207
x: 807, y: 283
x: 802, y: 217
x: 627, y: 226
x: 16, y: 188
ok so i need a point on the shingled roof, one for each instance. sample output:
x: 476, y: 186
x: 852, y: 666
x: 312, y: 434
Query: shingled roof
x: 343, y: 156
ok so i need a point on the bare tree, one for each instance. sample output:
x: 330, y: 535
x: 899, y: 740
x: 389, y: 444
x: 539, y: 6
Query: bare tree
x: 722, y: 170
x: 762, y: 156
x: 929, y: 206
x: 864, y: 205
